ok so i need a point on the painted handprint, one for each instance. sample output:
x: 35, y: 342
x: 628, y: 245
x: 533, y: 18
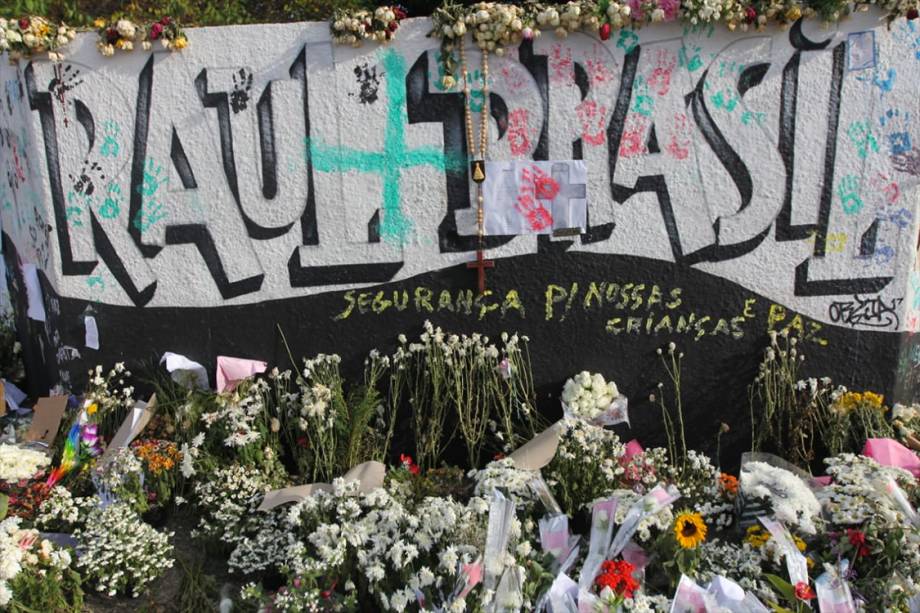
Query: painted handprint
x: 83, y: 181
x: 643, y: 103
x: 518, y: 132
x: 153, y: 179
x: 848, y: 192
x: 111, y: 205
x: 536, y: 186
x: 242, y: 85
x: 632, y: 142
x: 109, y: 147
x: 862, y: 138
x: 593, y: 122
x: 898, y: 137
x: 627, y: 40
x: 660, y: 79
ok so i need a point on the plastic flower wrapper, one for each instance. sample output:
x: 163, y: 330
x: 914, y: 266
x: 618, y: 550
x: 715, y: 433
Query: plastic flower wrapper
x: 602, y: 516
x: 501, y: 516
x: 650, y: 504
x: 557, y: 541
x: 509, y: 595
x: 796, y: 564
x: 833, y: 591
x: 731, y: 597
x: 563, y: 595
x: 690, y: 597
x: 890, y: 488
x: 539, y: 487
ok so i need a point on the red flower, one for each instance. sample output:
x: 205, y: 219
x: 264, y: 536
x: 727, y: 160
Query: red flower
x: 912, y: 14
x: 803, y: 591
x: 327, y: 594
x: 302, y: 441
x: 618, y: 576
x: 166, y: 20
x: 858, y: 541
x: 155, y: 31
x: 24, y: 23
x: 604, y: 31
x: 498, y: 456
x: 750, y: 14
x: 409, y: 465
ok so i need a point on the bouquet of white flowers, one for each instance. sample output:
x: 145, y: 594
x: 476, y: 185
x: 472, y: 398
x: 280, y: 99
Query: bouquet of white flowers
x: 590, y: 397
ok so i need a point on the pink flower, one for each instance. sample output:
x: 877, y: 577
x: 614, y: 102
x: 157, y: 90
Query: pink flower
x: 155, y: 31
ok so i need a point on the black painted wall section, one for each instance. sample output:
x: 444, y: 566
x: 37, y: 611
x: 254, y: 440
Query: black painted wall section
x: 721, y: 357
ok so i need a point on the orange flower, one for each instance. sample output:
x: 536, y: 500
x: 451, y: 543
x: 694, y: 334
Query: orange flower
x: 729, y: 484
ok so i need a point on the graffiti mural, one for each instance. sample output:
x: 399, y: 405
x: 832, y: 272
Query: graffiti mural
x: 322, y: 168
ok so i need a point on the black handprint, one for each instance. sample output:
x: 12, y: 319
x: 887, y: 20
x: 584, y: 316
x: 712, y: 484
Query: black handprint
x: 239, y: 97
x: 83, y: 182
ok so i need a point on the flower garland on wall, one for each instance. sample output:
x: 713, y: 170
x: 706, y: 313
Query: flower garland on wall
x: 34, y: 36
x: 123, y: 33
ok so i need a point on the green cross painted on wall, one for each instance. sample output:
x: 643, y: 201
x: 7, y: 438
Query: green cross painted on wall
x: 395, y: 226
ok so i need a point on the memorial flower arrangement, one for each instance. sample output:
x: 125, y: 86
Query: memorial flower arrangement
x: 17, y: 463
x: 631, y: 528
x: 33, y: 35
x: 122, y: 34
x: 354, y: 27
x: 35, y: 575
x: 588, y: 396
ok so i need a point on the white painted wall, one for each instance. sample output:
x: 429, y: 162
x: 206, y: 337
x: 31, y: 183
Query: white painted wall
x: 349, y: 139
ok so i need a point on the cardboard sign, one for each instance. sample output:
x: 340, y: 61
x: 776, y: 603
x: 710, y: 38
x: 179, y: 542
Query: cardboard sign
x: 46, y: 419
x: 134, y: 424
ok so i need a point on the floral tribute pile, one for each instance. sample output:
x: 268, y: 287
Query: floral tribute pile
x: 560, y: 516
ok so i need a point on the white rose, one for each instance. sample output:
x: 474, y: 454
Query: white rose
x: 125, y: 28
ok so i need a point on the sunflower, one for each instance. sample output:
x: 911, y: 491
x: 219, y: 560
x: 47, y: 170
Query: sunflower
x: 689, y: 529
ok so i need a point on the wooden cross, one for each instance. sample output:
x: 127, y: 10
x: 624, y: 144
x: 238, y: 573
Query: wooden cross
x: 480, y: 265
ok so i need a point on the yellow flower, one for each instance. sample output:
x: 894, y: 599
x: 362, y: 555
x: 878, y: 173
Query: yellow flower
x: 99, y: 23
x: 689, y: 529
x: 180, y: 43
x: 799, y: 543
x: 91, y: 409
x: 874, y: 400
x: 757, y: 536
x: 793, y: 13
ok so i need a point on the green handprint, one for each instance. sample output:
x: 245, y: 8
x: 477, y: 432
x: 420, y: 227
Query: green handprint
x: 73, y: 213
x: 110, y: 147
x: 724, y: 100
x: 152, y: 180
x: 694, y: 62
x: 111, y: 206
x: 861, y: 135
x: 628, y: 40
x: 848, y: 191
x: 643, y: 103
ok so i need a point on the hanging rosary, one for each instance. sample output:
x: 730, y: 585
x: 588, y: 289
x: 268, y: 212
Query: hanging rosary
x: 478, y: 157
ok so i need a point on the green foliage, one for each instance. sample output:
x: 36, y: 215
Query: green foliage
x: 34, y: 592
x: 198, y: 591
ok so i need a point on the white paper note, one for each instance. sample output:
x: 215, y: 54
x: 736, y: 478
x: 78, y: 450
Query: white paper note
x: 36, y: 308
x: 527, y: 197
x: 92, y: 332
